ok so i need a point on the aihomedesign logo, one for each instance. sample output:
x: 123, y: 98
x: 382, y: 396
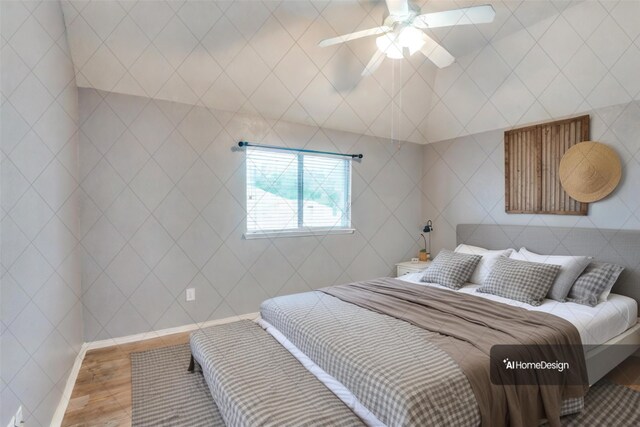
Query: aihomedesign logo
x: 541, y: 365
x: 538, y: 365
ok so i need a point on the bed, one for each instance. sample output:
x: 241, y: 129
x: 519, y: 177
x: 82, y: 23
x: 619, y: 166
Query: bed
x: 434, y: 374
x: 340, y: 338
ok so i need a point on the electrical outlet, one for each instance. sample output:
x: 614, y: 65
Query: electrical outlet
x: 191, y: 294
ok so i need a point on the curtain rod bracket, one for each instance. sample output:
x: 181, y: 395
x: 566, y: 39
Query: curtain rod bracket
x: 299, y: 150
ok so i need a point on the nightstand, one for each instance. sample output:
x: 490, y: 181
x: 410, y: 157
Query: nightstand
x: 407, y: 267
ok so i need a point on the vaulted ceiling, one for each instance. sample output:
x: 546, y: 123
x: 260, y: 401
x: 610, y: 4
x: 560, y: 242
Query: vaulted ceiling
x: 262, y: 57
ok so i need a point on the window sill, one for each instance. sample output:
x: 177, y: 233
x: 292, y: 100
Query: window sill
x: 297, y: 233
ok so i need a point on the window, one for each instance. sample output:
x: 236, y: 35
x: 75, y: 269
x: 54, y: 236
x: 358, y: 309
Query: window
x: 292, y: 193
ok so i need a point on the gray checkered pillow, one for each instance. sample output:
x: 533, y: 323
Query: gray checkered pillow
x: 451, y: 269
x: 520, y: 280
x: 597, y: 278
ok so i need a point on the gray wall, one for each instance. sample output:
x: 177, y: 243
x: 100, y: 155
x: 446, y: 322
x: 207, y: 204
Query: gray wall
x: 162, y: 209
x: 464, y: 180
x: 41, y: 311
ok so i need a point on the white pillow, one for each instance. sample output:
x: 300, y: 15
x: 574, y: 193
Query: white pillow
x: 570, y: 268
x: 487, y: 262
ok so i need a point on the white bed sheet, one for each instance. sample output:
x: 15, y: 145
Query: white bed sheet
x: 596, y: 325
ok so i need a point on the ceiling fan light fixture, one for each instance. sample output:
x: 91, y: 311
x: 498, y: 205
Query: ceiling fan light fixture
x: 411, y: 38
x: 387, y: 44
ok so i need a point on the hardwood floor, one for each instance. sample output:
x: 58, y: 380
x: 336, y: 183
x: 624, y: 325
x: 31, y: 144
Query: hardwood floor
x: 627, y: 373
x: 102, y: 393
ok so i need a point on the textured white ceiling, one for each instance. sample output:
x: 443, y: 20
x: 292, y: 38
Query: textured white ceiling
x: 583, y: 57
x: 262, y: 57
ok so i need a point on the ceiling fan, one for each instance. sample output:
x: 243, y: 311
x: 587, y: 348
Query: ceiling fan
x: 402, y: 29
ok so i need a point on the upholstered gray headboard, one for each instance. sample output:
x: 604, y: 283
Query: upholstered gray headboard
x: 617, y: 246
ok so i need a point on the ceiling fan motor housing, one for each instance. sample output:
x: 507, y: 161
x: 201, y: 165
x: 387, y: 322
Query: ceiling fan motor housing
x: 391, y: 20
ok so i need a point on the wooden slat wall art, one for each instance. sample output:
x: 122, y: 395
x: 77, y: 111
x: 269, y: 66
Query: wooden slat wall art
x: 532, y: 159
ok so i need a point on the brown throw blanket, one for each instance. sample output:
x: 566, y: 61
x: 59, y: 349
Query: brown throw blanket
x: 469, y: 326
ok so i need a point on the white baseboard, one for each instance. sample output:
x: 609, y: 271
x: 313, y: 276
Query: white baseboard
x: 68, y: 388
x: 170, y: 331
x: 73, y: 375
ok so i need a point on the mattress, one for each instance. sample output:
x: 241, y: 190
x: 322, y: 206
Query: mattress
x: 596, y: 325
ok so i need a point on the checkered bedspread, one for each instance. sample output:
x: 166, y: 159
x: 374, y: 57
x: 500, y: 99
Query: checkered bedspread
x: 394, y: 368
x: 390, y: 365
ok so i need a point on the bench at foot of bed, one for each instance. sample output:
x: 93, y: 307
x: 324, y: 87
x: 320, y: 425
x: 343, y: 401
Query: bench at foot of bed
x: 256, y: 381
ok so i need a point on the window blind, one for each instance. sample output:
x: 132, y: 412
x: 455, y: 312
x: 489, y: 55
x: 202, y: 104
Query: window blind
x: 290, y: 191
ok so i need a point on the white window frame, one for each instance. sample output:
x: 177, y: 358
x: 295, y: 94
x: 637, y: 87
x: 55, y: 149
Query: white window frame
x: 302, y: 231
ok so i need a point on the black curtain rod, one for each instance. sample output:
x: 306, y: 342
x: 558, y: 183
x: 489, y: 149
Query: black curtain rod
x: 299, y: 150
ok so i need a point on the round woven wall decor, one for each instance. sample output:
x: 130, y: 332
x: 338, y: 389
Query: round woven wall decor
x: 590, y: 171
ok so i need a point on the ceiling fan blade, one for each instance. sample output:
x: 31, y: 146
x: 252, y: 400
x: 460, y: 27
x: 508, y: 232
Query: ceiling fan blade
x: 374, y: 63
x: 436, y: 53
x: 465, y: 16
x: 352, y: 36
x: 398, y: 7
